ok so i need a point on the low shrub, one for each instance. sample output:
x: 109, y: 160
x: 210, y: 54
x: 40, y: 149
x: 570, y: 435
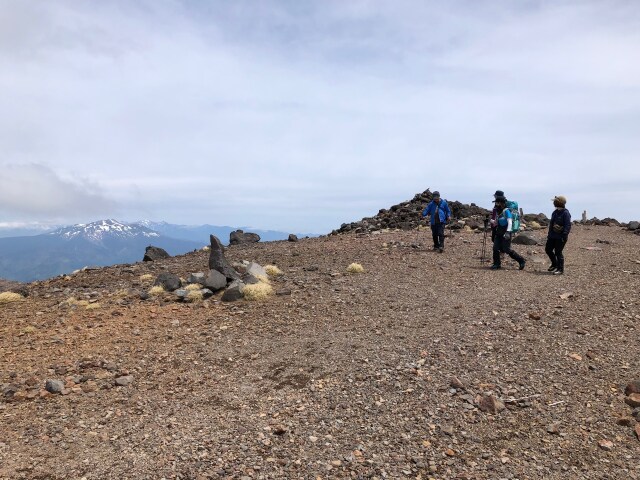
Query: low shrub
x: 10, y: 297
x: 355, y: 268
x: 195, y: 296
x: 147, y: 277
x: 273, y: 271
x: 257, y: 291
x: 193, y: 286
x: 157, y: 290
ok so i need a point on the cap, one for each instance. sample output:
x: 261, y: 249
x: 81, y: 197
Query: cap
x: 499, y: 193
x: 500, y: 198
x: 436, y: 194
x: 561, y: 199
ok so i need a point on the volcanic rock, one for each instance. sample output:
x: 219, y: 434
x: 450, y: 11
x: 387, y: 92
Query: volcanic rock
x: 151, y: 254
x: 524, y: 238
x: 292, y: 237
x: 215, y: 281
x: 54, y: 386
x: 168, y: 281
x: 233, y: 291
x: 217, y: 260
x: 633, y: 387
x: 239, y: 237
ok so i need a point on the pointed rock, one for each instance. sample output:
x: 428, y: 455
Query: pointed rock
x: 217, y: 260
x: 152, y: 254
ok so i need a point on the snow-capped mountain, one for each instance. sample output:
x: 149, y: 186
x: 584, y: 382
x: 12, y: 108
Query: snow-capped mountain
x: 105, y: 242
x: 98, y: 231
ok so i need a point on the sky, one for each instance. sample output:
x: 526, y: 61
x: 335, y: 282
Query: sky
x: 301, y: 115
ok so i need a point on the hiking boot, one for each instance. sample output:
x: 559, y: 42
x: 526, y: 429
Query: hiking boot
x: 558, y: 272
x: 522, y: 264
x: 552, y: 268
x: 495, y: 267
x: 441, y: 249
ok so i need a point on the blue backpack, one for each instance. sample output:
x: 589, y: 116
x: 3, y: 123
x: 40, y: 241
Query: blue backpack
x: 515, y: 214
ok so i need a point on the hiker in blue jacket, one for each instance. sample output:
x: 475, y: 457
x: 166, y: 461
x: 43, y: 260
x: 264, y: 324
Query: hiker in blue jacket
x: 559, y: 228
x: 502, y: 241
x: 439, y: 213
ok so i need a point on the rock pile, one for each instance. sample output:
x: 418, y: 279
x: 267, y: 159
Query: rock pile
x: 408, y: 215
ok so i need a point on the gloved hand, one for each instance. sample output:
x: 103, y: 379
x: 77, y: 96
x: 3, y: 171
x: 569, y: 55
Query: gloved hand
x: 507, y: 236
x: 565, y: 238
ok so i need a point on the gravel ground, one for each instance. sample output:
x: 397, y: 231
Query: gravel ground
x: 427, y: 365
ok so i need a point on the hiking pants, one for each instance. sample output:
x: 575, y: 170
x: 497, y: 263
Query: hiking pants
x: 437, y: 231
x: 554, y: 249
x: 500, y: 244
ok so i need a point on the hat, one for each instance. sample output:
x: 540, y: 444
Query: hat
x: 436, y: 194
x: 500, y: 198
x: 499, y: 193
x: 561, y: 199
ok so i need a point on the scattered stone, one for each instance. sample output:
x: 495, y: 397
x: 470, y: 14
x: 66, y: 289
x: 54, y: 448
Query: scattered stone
x: 524, y: 238
x: 151, y: 254
x: 124, y: 380
x: 633, y: 387
x: 633, y: 225
x: 239, y: 237
x: 637, y: 430
x: 250, y: 279
x: 181, y: 293
x: 490, y: 404
x: 279, y: 430
x: 566, y: 296
x: 553, y: 429
x: 535, y: 316
x: 168, y: 281
x: 606, y: 445
x: 196, y: 278
x: 206, y: 293
x: 633, y: 400
x: 626, y: 422
x: 144, y: 295
x: 636, y: 413
x: 54, y: 386
x: 283, y: 291
x: 218, y: 262
x: 575, y: 356
x: 233, y: 291
x: 292, y: 237
x: 455, y: 382
x: 256, y: 270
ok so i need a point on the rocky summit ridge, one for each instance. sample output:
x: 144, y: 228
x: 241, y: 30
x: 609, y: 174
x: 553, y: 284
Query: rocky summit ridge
x: 414, y: 365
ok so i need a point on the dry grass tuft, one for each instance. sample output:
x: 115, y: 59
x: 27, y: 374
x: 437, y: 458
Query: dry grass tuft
x: 30, y: 329
x: 10, y: 297
x: 93, y: 306
x: 263, y: 279
x: 74, y: 302
x: 195, y: 296
x: 193, y: 286
x: 273, y: 271
x: 206, y: 248
x: 355, y: 268
x: 157, y: 290
x: 147, y: 277
x: 257, y: 291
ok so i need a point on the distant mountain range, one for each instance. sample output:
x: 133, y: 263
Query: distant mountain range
x: 66, y: 249
x: 106, y: 242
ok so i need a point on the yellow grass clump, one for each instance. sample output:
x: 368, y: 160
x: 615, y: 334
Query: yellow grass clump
x: 206, y: 248
x: 355, y: 268
x: 157, y: 290
x: 263, y: 279
x: 73, y: 302
x: 195, y: 296
x: 10, y: 297
x: 257, y: 291
x: 193, y: 286
x: 29, y: 329
x: 147, y: 277
x: 273, y: 271
x: 93, y: 306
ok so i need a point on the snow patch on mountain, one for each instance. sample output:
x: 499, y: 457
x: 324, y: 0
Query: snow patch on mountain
x: 102, y: 229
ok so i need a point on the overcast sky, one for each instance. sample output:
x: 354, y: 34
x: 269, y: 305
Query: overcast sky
x: 299, y: 115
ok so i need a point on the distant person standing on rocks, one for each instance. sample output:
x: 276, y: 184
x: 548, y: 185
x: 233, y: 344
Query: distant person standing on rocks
x: 494, y: 214
x: 502, y: 242
x: 559, y: 228
x: 439, y: 213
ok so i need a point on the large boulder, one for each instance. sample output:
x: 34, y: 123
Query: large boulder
x: 633, y: 225
x: 240, y: 238
x: 215, y: 281
x: 168, y: 281
x: 525, y: 238
x: 217, y: 260
x: 151, y: 254
x: 292, y: 237
x: 256, y: 270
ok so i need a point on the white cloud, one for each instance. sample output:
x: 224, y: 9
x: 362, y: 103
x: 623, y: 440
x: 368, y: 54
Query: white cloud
x: 264, y: 114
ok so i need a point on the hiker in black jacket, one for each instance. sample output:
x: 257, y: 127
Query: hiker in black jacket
x: 559, y: 228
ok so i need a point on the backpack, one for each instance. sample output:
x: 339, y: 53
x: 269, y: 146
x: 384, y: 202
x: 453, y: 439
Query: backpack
x: 515, y: 214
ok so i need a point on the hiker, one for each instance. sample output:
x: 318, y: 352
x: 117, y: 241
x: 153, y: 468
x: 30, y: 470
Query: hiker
x: 494, y: 214
x: 502, y: 242
x: 559, y: 228
x: 439, y: 213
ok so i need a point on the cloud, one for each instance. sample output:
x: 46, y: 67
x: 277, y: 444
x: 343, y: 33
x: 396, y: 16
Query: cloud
x: 33, y: 190
x: 310, y: 114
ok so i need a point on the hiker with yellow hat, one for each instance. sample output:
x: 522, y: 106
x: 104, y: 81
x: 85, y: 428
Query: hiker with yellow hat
x: 559, y: 228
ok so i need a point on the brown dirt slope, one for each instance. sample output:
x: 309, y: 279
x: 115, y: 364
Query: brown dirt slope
x: 349, y: 376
